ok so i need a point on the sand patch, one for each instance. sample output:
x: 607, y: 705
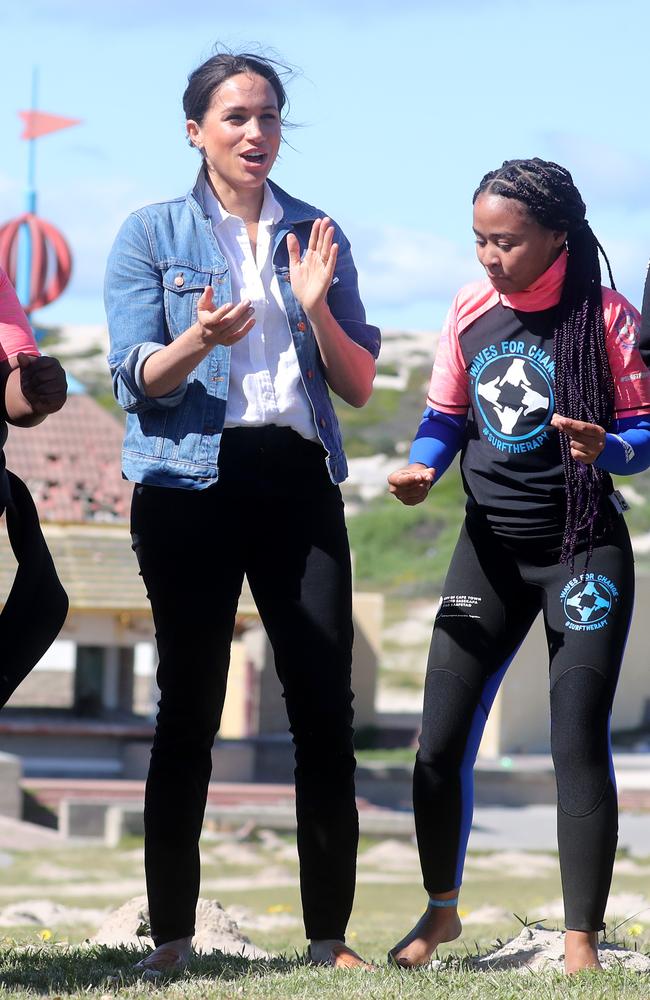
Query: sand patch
x: 514, y: 864
x: 215, y: 929
x: 261, y: 921
x: 628, y: 867
x: 45, y: 913
x: 536, y: 949
x: 391, y: 855
x: 238, y: 855
x: 487, y: 915
x: 621, y: 906
x: 57, y: 873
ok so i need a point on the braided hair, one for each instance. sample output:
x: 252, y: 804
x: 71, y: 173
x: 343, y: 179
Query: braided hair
x: 584, y: 385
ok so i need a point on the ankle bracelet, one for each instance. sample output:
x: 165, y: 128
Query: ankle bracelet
x: 443, y: 902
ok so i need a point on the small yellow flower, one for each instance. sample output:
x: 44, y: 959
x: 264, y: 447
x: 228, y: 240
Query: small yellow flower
x: 45, y: 934
x: 279, y: 908
x: 635, y: 930
x: 353, y: 934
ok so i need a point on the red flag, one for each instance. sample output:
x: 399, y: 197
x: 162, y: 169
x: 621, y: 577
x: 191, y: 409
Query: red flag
x: 38, y: 123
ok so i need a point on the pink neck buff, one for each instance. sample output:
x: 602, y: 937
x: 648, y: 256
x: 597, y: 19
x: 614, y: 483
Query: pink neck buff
x: 544, y: 293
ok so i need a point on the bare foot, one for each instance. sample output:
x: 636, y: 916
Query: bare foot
x: 581, y: 951
x: 437, y: 925
x: 168, y: 957
x: 337, y: 954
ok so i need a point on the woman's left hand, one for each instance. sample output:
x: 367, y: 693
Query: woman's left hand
x: 587, y: 440
x: 312, y: 276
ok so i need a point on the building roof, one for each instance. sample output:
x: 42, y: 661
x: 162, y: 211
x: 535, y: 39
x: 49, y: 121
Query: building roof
x: 72, y: 464
x: 97, y: 567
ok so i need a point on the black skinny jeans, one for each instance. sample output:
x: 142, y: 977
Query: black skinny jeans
x: 275, y: 516
x: 493, y: 592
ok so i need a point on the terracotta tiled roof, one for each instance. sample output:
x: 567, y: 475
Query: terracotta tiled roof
x: 72, y: 463
x: 97, y: 567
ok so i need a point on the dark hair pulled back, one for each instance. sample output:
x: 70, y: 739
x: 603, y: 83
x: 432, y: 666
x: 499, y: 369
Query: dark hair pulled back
x: 584, y: 386
x: 206, y: 78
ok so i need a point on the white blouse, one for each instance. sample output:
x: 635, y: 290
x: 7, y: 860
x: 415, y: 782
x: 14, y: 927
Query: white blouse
x: 265, y: 382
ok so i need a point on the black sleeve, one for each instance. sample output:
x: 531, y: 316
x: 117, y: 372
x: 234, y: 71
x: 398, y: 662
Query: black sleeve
x: 644, y: 341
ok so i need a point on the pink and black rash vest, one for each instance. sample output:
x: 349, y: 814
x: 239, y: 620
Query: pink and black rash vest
x: 495, y: 367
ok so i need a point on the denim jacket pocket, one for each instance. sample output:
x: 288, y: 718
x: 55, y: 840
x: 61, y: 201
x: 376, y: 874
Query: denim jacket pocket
x: 183, y: 286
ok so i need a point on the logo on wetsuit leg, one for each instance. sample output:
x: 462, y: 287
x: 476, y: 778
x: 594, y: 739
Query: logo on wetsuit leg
x: 513, y: 395
x: 588, y: 601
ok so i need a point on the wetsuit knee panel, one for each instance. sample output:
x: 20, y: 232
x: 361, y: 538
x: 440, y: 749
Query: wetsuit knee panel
x: 449, y: 708
x: 581, y: 700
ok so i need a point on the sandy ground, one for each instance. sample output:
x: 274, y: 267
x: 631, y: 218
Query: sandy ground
x: 536, y: 949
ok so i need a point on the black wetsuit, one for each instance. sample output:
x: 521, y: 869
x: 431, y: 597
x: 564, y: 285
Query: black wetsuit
x: 504, y: 571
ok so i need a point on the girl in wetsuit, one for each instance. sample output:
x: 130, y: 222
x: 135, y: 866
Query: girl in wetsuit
x: 539, y: 380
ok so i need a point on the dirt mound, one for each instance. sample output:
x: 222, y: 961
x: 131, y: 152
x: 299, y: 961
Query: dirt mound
x: 513, y: 863
x: 391, y: 855
x: 215, y: 930
x: 45, y: 913
x: 536, y: 948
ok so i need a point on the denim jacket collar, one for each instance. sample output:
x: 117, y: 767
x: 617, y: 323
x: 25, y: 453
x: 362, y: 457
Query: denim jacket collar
x: 294, y: 211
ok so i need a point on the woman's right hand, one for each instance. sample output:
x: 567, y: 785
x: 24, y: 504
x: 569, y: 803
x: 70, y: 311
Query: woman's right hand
x: 225, y: 325
x: 411, y: 484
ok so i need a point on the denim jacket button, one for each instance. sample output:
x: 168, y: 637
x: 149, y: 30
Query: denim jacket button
x: 323, y: 422
x: 179, y: 280
x: 310, y: 374
x: 301, y: 326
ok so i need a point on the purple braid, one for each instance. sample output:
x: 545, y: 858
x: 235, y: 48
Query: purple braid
x: 584, y: 386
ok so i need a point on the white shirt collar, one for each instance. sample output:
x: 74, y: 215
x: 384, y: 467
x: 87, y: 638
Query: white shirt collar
x: 270, y: 213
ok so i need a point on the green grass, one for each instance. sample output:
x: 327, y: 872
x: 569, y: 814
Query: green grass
x: 388, y: 418
x: 101, y: 972
x: 387, y: 903
x: 405, y: 551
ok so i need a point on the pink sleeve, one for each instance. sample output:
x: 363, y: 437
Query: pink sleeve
x: 15, y: 332
x: 448, y: 387
x: 631, y: 377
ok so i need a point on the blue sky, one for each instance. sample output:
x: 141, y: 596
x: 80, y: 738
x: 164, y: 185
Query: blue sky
x: 403, y: 107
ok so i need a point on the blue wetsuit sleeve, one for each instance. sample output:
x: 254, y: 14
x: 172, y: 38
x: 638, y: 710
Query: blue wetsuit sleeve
x: 438, y: 439
x: 627, y: 447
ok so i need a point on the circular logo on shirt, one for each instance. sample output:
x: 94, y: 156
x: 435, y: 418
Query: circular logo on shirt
x: 514, y: 396
x: 627, y: 334
x: 587, y: 602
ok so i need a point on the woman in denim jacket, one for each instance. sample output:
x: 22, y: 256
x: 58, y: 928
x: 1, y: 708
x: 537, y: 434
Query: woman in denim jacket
x: 231, y: 311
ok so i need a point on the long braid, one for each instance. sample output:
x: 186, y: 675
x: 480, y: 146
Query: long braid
x: 584, y: 386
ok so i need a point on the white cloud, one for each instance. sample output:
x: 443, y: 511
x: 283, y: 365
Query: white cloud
x: 606, y: 174
x: 398, y: 265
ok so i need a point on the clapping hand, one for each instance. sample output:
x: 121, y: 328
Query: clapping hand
x: 312, y: 275
x: 225, y: 325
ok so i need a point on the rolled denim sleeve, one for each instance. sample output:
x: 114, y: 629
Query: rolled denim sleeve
x: 345, y: 303
x: 135, y: 308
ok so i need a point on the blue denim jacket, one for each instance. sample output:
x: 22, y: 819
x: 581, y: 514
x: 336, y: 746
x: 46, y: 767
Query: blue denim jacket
x: 163, y: 257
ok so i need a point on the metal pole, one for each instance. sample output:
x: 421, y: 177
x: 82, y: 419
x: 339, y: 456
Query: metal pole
x: 24, y: 268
